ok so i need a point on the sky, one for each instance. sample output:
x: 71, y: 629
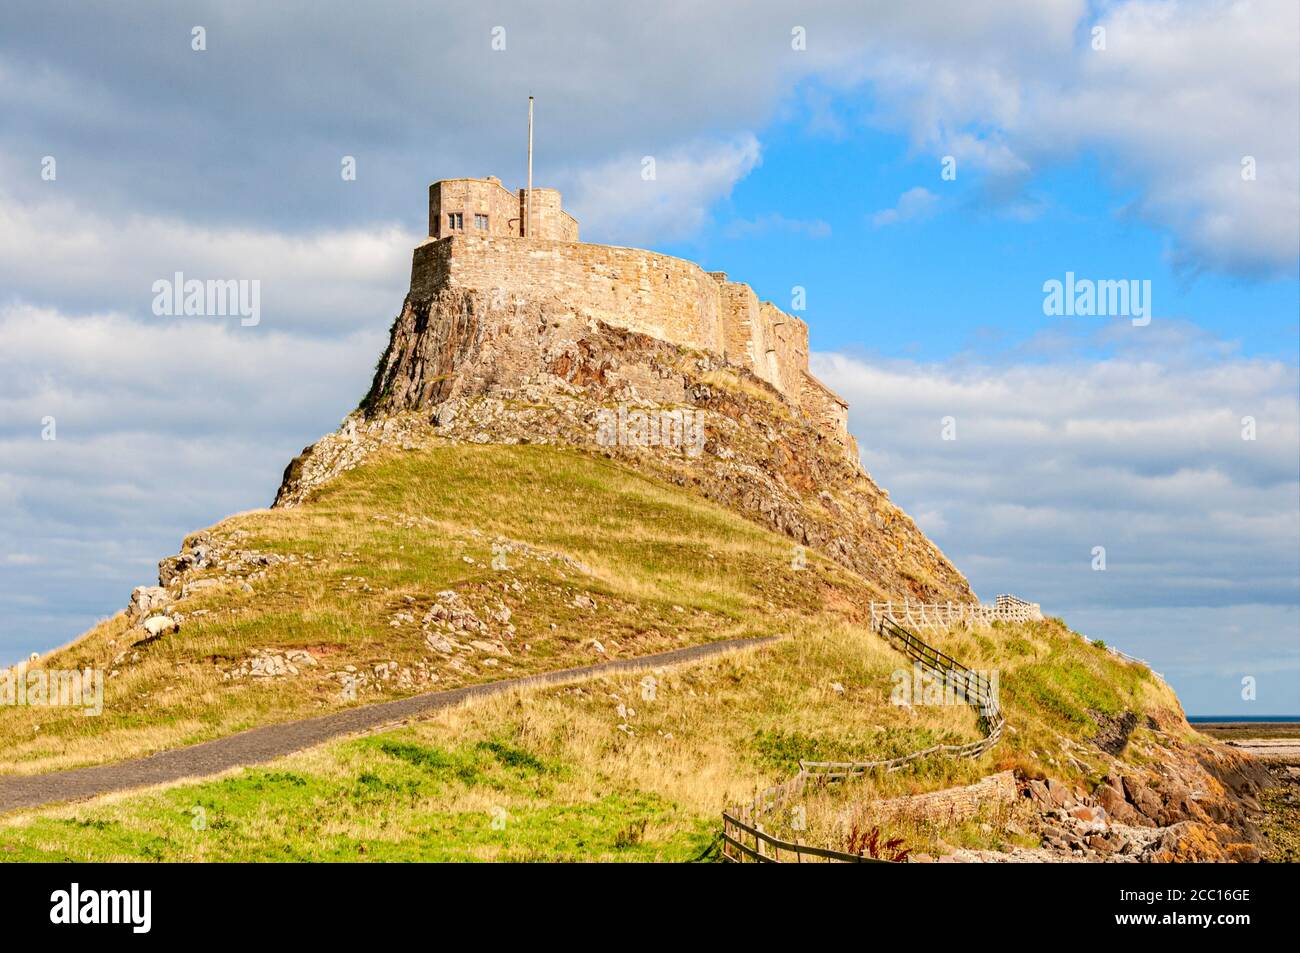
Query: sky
x: 919, y: 172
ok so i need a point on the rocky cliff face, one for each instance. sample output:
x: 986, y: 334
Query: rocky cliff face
x: 489, y: 367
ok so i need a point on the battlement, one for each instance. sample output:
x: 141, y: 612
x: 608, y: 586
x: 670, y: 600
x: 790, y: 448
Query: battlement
x: 486, y: 207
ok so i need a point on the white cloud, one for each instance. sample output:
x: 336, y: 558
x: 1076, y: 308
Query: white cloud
x: 615, y: 204
x: 1143, y: 457
x: 327, y: 282
x: 106, y: 374
x: 1141, y: 453
x: 916, y: 204
x: 1182, y: 92
x: 161, y: 428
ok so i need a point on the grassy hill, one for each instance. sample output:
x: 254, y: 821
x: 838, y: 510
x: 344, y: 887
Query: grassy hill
x: 589, y: 550
x: 592, y: 561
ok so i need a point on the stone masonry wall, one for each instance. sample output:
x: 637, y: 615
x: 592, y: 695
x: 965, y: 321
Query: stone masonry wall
x: 762, y: 338
x: 823, y: 405
x: 786, y: 356
x: 739, y: 321
x: 653, y: 294
x: 549, y: 219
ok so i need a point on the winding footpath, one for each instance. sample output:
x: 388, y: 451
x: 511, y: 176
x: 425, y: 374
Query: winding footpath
x: 259, y: 745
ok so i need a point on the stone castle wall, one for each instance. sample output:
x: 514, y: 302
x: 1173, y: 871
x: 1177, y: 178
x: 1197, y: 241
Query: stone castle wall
x: 653, y: 294
x: 668, y: 298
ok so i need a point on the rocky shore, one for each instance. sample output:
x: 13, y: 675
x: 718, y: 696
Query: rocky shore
x: 1187, y: 801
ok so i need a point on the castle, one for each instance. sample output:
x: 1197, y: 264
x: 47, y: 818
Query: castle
x: 515, y: 332
x: 486, y: 238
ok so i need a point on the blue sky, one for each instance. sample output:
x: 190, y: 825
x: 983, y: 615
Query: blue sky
x: 968, y: 275
x: 818, y: 167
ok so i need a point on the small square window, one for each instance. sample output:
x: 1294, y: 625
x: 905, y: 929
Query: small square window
x: 455, y: 221
x: 481, y: 222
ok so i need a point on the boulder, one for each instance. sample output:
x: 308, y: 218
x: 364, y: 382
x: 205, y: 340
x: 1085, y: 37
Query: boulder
x: 445, y: 414
x: 1060, y: 795
x: 1110, y: 795
x: 439, y: 643
x: 1037, y: 791
x: 1187, y: 842
x: 1179, y: 805
x: 198, y: 585
x: 145, y: 599
x: 1244, y: 853
x: 1089, y: 815
x: 1145, y: 800
x: 268, y: 666
x: 173, y: 567
x: 1102, y: 844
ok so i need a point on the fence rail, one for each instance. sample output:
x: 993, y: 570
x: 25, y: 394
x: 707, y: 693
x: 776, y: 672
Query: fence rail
x: 745, y: 822
x: 942, y: 615
x: 1133, y: 658
x: 736, y: 834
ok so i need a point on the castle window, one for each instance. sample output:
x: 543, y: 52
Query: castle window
x: 455, y: 221
x: 481, y: 222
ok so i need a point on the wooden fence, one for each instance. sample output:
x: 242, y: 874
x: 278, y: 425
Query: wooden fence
x: 1133, y: 658
x: 743, y: 824
x: 943, y: 615
x: 736, y: 835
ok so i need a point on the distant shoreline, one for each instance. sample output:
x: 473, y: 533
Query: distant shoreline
x: 1267, y: 733
x: 1242, y: 719
x: 1268, y: 728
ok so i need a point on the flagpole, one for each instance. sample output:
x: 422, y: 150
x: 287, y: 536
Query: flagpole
x: 528, y: 196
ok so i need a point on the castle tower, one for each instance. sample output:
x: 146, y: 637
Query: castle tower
x: 486, y: 207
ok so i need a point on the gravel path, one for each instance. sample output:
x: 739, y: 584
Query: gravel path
x: 258, y: 745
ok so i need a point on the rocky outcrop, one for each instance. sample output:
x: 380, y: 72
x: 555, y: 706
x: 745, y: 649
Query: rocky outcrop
x: 463, y: 366
x: 1180, y: 800
x: 1197, y: 802
x: 207, y: 561
x: 268, y: 663
x: 145, y: 599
